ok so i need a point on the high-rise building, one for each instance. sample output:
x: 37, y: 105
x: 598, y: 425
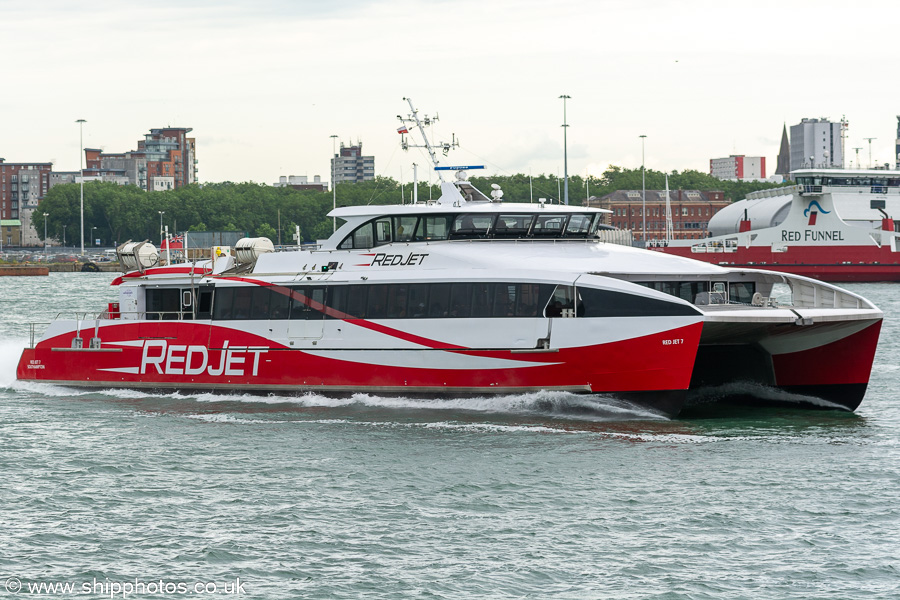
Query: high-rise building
x: 738, y: 168
x: 783, y: 167
x: 897, y: 148
x: 165, y: 159
x: 22, y: 187
x: 302, y: 182
x: 816, y: 143
x: 351, y: 165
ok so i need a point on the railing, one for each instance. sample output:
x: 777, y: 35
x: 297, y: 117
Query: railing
x: 157, y: 315
x: 31, y: 332
x: 810, y: 189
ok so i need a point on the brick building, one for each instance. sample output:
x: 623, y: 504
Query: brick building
x: 10, y: 231
x: 22, y: 187
x: 165, y: 159
x: 691, y: 211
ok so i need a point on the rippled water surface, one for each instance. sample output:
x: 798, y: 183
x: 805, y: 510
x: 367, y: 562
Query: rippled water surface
x: 530, y: 496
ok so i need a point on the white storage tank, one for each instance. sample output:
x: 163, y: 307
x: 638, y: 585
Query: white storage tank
x: 247, y: 250
x: 137, y: 256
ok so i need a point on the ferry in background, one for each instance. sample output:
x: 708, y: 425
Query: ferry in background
x: 834, y: 225
x: 465, y: 295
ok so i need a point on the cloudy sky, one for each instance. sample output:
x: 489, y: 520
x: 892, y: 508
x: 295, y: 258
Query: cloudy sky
x: 264, y: 83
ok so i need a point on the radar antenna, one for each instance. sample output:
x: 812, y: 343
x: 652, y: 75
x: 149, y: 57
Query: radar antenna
x: 413, y: 119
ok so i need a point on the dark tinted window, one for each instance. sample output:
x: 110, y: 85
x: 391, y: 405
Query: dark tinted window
x: 376, y: 307
x: 279, y: 302
x: 606, y: 303
x: 482, y: 299
x: 439, y: 300
x: 243, y: 296
x: 418, y: 300
x: 741, y: 292
x: 505, y: 299
x: 223, y: 303
x: 356, y: 301
x: 163, y: 303
x: 396, y: 301
x: 259, y: 307
x: 460, y: 300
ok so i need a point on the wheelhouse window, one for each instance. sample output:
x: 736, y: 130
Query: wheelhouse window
x: 550, y: 226
x: 513, y: 226
x: 471, y: 226
x: 433, y: 228
x: 385, y: 230
x: 404, y: 228
x: 579, y: 226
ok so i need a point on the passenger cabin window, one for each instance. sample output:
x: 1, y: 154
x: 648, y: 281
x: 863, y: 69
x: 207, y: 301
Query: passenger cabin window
x: 562, y: 302
x: 462, y: 299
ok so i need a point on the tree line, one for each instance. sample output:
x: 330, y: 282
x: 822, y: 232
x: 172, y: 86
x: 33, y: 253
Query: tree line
x: 117, y: 213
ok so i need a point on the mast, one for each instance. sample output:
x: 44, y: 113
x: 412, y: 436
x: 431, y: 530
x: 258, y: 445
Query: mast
x: 668, y: 213
x: 414, y: 118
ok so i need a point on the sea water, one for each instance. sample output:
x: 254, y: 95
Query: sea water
x: 126, y: 494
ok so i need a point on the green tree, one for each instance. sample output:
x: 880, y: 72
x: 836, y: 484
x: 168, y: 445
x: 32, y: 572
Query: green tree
x: 266, y: 230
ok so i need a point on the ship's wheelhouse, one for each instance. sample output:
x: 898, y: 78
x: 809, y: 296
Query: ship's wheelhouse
x: 388, y: 229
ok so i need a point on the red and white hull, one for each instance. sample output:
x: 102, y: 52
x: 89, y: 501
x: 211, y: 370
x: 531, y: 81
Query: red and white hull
x: 657, y: 357
x: 826, y: 263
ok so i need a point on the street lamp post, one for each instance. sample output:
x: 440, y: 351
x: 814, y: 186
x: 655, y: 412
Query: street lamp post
x: 643, y: 194
x: 64, y: 235
x: 333, y: 188
x: 45, y: 231
x: 81, y: 123
x: 565, y: 127
x: 161, y: 213
x: 92, y: 235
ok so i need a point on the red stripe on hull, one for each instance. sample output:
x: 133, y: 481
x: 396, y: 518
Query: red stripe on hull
x: 846, y: 361
x: 826, y: 263
x: 176, y: 351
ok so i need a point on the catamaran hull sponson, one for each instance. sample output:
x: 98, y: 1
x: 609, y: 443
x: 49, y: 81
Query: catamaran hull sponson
x: 829, y: 361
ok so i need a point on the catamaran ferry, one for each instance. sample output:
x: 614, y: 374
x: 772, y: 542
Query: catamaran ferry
x: 464, y: 295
